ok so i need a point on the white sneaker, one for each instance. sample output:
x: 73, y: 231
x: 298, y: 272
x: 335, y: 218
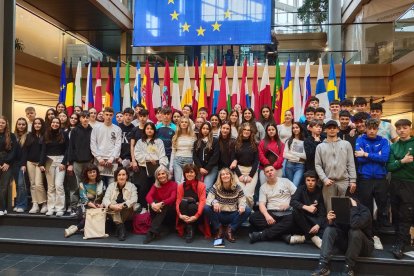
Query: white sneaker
x: 50, y: 213
x: 70, y: 231
x: 15, y: 209
x: 19, y: 210
x: 69, y: 210
x: 3, y: 213
x: 317, y: 241
x: 35, y: 209
x: 377, y: 243
x: 60, y: 213
x: 44, y: 208
x: 294, y: 239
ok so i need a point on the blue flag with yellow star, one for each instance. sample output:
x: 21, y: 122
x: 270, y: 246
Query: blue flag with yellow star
x: 201, y: 22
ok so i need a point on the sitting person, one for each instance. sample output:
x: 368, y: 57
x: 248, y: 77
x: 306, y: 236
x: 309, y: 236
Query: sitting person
x: 191, y: 199
x: 275, y: 218
x: 161, y: 199
x: 354, y: 239
x: 90, y: 194
x: 121, y: 200
x: 226, y: 205
x: 309, y: 209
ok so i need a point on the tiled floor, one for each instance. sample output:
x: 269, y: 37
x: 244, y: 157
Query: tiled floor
x: 33, y: 265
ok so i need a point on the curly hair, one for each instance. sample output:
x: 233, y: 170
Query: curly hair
x: 88, y: 168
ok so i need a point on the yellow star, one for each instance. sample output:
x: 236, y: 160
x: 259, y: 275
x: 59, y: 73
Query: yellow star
x: 227, y: 14
x: 216, y: 26
x: 186, y: 27
x: 174, y: 16
x: 171, y: 2
x: 200, y: 31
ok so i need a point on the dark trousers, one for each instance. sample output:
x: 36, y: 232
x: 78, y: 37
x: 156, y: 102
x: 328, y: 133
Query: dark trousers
x: 188, y: 208
x: 157, y: 219
x: 233, y: 219
x: 354, y: 244
x: 368, y: 189
x: 143, y: 184
x: 402, y: 200
x: 305, y: 221
x: 5, y: 189
x: 282, y: 226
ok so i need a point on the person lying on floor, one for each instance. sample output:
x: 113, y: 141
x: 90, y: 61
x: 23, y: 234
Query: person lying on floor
x: 309, y: 213
x: 275, y: 218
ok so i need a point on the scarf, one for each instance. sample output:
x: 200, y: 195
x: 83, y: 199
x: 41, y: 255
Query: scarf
x: 191, y: 184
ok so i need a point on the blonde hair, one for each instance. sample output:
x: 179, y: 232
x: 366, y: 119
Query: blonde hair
x: 179, y: 131
x: 219, y: 183
x: 161, y: 168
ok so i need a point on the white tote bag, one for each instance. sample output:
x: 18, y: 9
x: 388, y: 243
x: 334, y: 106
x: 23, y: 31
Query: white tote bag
x: 95, y: 220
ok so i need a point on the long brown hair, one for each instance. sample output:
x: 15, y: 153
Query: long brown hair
x: 7, y: 139
x: 21, y: 135
x: 179, y: 131
x: 52, y: 135
x: 239, y: 140
x: 209, y: 137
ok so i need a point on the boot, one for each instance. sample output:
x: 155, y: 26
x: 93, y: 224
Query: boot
x: 149, y: 237
x: 35, y: 209
x: 219, y: 233
x: 256, y: 236
x: 229, y: 234
x: 189, y: 233
x: 121, y: 232
x: 70, y: 231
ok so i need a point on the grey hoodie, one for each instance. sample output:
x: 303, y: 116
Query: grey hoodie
x: 335, y: 160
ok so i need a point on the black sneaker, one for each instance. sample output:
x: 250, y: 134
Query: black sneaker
x: 149, y: 238
x: 255, y: 237
x: 348, y: 270
x: 322, y: 270
x: 398, y: 250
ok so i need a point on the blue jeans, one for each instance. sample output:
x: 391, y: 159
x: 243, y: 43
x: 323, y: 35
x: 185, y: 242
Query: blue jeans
x: 210, y: 178
x: 21, y: 189
x: 294, y: 172
x: 178, y: 164
x: 234, y: 219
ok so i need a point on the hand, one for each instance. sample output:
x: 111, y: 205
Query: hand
x: 352, y: 187
x: 353, y: 202
x: 5, y: 167
x: 184, y: 218
x: 101, y: 162
x: 242, y: 209
x: 328, y: 182
x: 241, y: 178
x: 134, y: 166
x: 99, y: 205
x: 69, y: 169
x: 62, y: 167
x: 216, y: 207
x: 191, y: 219
x: 270, y: 220
x: 310, y: 208
x: 154, y: 162
x: 408, y: 158
x: 233, y: 165
x: 108, y: 163
x: 248, y: 179
x: 92, y: 205
x: 352, y: 132
x: 42, y: 168
x: 116, y: 207
x: 23, y: 169
x: 203, y: 171
x: 314, y: 229
x: 360, y: 153
x: 331, y: 216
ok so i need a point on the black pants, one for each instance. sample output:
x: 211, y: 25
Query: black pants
x: 368, y: 189
x: 282, y: 226
x: 354, y: 243
x: 188, y: 208
x: 402, y: 204
x: 305, y: 221
x: 167, y: 214
x: 143, y: 184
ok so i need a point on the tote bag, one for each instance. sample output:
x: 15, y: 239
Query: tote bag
x: 95, y: 220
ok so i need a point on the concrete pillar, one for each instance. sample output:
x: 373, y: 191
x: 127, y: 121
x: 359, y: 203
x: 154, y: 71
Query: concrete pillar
x: 7, y: 59
x: 335, y: 31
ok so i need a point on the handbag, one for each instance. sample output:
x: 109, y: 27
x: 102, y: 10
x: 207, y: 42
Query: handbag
x: 141, y: 223
x: 95, y: 220
x: 151, y: 168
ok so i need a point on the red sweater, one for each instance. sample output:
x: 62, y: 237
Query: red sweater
x: 272, y: 145
x: 167, y: 193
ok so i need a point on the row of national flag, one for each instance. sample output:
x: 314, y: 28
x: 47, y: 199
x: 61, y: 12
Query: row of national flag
x: 289, y: 96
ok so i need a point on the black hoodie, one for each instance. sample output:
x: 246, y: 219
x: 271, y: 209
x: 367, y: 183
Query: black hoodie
x: 80, y: 145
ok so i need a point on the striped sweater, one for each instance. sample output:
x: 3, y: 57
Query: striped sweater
x: 229, y: 200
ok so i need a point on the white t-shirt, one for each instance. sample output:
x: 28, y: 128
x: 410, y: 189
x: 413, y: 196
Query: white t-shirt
x: 277, y: 195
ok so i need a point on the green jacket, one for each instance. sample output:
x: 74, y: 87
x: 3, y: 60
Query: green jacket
x: 398, y: 151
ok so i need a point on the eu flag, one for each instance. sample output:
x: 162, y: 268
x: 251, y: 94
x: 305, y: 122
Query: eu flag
x: 201, y: 22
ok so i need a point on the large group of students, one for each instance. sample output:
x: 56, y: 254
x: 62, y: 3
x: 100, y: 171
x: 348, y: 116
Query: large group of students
x: 215, y: 172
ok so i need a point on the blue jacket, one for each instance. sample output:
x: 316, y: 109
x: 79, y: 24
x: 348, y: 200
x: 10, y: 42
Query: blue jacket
x: 373, y: 166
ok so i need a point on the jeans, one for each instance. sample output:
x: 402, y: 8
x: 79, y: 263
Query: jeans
x: 234, y: 219
x: 21, y: 190
x: 210, y: 178
x: 294, y: 172
x: 178, y: 164
x: 5, y: 179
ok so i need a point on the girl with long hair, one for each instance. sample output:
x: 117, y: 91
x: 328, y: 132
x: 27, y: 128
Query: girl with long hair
x: 53, y: 161
x: 226, y: 146
x: 271, y: 152
x: 32, y: 150
x: 206, y: 155
x: 91, y: 192
x: 226, y: 205
x: 182, y: 148
x: 285, y: 129
x: 234, y: 121
x: 176, y: 116
x: 8, y: 146
x: 295, y: 155
x: 50, y: 114
x: 149, y: 153
x: 64, y: 120
x: 21, y: 130
x: 223, y: 115
x: 246, y: 162
x: 256, y: 127
x: 60, y: 107
x: 215, y: 125
x: 266, y: 116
